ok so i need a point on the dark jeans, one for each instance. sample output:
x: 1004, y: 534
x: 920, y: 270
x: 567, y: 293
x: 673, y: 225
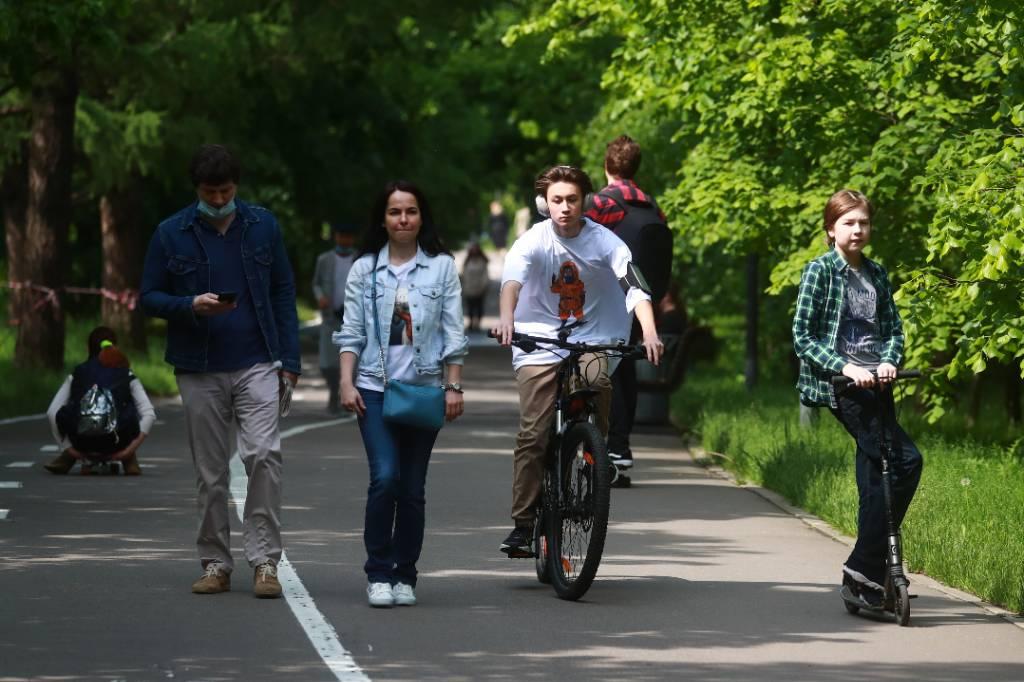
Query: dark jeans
x: 623, y: 407
x: 860, y: 412
x: 396, y: 500
x: 102, y: 447
x: 474, y: 310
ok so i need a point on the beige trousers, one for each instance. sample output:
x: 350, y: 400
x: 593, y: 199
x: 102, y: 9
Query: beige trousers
x: 537, y: 386
x: 247, y: 399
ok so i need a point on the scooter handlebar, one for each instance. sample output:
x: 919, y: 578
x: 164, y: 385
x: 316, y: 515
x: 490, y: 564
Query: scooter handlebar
x: 841, y: 381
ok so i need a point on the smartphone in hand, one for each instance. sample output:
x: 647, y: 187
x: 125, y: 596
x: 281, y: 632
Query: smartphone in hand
x: 227, y: 296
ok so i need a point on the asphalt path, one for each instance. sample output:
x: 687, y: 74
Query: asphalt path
x: 701, y: 580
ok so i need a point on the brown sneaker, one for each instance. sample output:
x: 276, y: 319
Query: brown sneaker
x: 130, y: 465
x: 214, y: 580
x: 61, y: 464
x: 264, y: 582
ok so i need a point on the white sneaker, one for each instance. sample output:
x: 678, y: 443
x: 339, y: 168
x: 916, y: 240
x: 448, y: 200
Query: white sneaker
x: 380, y: 595
x: 404, y: 595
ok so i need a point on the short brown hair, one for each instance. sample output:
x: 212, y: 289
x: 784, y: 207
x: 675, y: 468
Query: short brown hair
x: 622, y: 157
x: 569, y: 174
x: 841, y: 202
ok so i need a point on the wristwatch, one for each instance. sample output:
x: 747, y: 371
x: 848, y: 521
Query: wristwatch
x: 453, y: 387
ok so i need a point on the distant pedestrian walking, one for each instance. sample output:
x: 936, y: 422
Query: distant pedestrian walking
x: 497, y: 225
x: 475, y: 283
x: 101, y: 412
x: 329, y: 278
x: 404, y: 329
x: 218, y: 272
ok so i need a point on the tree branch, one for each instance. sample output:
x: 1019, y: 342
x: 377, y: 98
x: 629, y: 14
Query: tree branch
x: 13, y: 109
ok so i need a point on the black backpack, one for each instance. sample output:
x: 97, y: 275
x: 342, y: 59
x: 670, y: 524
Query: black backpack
x: 101, y: 401
x: 648, y: 238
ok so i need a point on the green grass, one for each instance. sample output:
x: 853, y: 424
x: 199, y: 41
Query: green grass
x: 965, y: 525
x: 30, y: 391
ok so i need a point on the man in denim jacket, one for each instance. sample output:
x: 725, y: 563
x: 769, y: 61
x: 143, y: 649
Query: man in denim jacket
x: 217, y: 271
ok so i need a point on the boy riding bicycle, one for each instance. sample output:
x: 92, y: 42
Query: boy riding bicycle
x: 846, y: 323
x: 567, y: 270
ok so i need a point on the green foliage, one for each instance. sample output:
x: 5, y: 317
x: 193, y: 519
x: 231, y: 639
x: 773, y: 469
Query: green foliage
x: 772, y: 106
x: 962, y: 527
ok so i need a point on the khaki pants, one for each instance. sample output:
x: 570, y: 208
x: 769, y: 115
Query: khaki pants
x: 537, y: 386
x: 212, y: 401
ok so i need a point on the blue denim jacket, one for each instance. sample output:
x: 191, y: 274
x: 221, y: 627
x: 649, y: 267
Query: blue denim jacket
x: 177, y: 269
x: 435, y: 298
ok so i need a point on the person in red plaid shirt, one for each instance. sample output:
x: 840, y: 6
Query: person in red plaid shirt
x: 635, y: 218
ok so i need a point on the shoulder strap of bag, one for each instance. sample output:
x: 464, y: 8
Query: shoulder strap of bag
x: 376, y: 322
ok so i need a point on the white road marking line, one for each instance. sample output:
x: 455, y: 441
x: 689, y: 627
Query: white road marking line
x: 49, y: 448
x: 25, y: 418
x: 4, y: 513
x: 318, y: 629
x: 10, y: 484
x: 20, y: 465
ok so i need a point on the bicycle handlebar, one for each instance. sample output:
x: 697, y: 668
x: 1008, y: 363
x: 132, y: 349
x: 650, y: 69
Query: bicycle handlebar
x: 840, y: 380
x: 528, y: 343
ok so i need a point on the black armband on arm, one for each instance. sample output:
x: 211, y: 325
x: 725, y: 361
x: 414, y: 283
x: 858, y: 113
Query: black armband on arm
x: 634, y: 279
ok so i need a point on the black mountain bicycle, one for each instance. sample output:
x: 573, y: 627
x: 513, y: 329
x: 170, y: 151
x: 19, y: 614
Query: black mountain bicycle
x: 572, y: 516
x: 897, y: 596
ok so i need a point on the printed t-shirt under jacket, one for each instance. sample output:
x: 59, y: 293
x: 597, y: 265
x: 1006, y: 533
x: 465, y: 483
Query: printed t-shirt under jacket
x: 398, y: 337
x: 568, y: 279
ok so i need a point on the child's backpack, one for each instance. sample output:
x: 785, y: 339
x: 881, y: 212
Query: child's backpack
x: 100, y: 403
x: 97, y: 412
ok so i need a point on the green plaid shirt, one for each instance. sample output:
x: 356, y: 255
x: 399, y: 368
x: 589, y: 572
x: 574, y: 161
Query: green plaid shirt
x: 819, y: 309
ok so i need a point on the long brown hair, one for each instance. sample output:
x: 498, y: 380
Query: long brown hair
x: 841, y: 202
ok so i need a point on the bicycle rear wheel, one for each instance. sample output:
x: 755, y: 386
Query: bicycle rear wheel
x: 579, y: 520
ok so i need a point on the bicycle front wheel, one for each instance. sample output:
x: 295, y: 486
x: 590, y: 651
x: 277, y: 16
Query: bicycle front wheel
x: 579, y: 520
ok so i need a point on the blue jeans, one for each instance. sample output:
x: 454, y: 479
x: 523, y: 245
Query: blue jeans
x: 396, y: 500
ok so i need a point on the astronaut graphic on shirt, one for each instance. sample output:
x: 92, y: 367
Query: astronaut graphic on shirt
x: 401, y: 320
x: 572, y: 292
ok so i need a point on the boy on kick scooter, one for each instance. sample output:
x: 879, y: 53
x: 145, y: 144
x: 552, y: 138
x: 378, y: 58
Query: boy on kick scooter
x: 846, y: 323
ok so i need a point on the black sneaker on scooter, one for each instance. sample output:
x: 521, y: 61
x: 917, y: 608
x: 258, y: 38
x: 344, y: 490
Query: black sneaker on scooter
x: 861, y: 594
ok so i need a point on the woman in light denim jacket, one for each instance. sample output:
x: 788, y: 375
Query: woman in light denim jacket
x: 417, y: 315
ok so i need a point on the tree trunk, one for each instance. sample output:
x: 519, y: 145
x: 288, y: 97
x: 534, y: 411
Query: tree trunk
x: 13, y: 191
x: 47, y: 215
x: 123, y: 255
x: 753, y: 305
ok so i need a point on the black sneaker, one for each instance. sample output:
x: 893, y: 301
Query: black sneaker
x: 871, y: 597
x: 518, y: 543
x: 621, y: 461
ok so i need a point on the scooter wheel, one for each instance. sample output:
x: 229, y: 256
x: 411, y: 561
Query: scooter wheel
x: 851, y: 609
x: 902, y: 605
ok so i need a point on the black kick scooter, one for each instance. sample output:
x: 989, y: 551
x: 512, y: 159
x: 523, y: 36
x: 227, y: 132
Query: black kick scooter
x: 897, y: 597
